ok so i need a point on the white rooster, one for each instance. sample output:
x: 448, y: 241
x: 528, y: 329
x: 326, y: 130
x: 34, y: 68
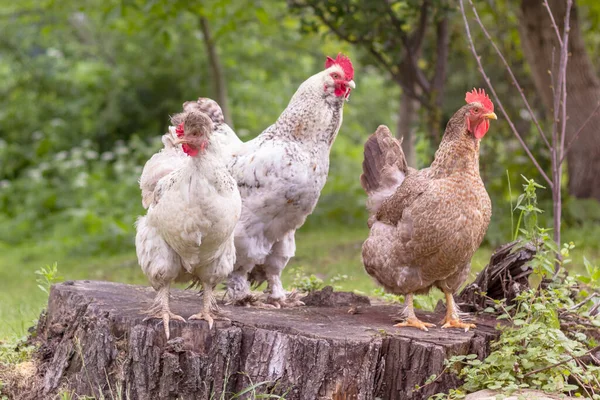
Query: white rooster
x: 280, y: 175
x: 193, y: 207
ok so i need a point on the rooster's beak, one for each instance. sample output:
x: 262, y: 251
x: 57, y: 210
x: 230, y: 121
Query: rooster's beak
x: 490, y: 116
x: 179, y: 141
x: 351, y: 84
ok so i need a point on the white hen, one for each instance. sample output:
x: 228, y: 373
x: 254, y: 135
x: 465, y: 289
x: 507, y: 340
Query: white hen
x: 280, y: 175
x: 193, y: 207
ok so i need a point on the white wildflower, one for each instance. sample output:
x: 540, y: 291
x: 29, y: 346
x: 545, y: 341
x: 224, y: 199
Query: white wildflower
x: 54, y: 53
x: 108, y: 156
x: 37, y: 135
x: 5, y: 183
x: 91, y: 154
x: 122, y: 150
x: 80, y: 180
x: 77, y: 163
x: 119, y: 167
x: 61, y: 155
x: 35, y: 175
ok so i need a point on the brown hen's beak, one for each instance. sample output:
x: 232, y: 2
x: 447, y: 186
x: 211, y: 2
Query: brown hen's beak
x: 179, y: 141
x: 351, y: 84
x: 490, y: 116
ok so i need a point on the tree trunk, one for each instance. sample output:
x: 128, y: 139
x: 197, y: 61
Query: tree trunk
x: 583, y: 88
x: 405, y: 128
x: 94, y: 341
x: 218, y: 75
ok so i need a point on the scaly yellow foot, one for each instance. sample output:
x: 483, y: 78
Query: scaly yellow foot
x: 457, y: 323
x: 415, y: 323
x: 452, y: 320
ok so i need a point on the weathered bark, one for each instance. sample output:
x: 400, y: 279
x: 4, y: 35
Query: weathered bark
x: 583, y: 87
x: 218, y: 75
x: 405, y: 128
x: 93, y: 339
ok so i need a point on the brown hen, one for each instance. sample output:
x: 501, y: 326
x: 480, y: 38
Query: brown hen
x: 426, y: 224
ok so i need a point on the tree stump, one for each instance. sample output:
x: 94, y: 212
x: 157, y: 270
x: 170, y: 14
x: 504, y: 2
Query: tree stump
x: 93, y: 341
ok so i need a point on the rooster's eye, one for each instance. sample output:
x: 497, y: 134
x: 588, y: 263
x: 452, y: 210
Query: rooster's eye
x: 335, y: 76
x: 475, y: 110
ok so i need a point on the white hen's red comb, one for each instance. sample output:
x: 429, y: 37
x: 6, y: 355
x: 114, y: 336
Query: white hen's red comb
x: 344, y: 62
x: 478, y: 95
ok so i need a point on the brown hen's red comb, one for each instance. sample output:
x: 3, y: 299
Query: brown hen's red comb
x: 478, y: 95
x: 343, y: 62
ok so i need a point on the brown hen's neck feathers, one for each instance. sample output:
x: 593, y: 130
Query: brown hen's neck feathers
x: 459, y: 150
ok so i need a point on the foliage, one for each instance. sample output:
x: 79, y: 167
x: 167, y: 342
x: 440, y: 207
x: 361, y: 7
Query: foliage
x: 305, y: 283
x: 47, y: 276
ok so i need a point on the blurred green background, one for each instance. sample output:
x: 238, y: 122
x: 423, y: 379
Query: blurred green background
x: 87, y: 87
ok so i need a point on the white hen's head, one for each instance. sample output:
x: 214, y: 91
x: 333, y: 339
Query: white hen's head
x: 194, y: 129
x: 338, y: 76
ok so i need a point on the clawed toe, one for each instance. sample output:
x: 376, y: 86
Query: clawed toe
x: 457, y: 323
x: 415, y: 323
x: 285, y: 302
x: 203, y: 316
x: 166, y: 316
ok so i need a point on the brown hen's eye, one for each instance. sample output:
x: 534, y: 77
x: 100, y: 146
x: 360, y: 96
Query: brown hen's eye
x: 476, y: 110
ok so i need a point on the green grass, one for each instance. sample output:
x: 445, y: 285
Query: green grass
x: 324, y: 253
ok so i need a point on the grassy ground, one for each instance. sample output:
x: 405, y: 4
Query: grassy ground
x: 326, y: 254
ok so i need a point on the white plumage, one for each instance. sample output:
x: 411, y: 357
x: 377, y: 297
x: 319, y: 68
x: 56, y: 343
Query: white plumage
x: 193, y: 207
x: 280, y: 175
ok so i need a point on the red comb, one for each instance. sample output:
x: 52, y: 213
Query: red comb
x: 179, y: 130
x: 478, y: 95
x: 343, y: 62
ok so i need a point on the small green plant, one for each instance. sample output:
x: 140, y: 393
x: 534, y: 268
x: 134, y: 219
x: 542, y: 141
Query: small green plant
x: 339, y: 278
x: 392, y: 298
x: 15, y: 351
x: 306, y: 283
x: 47, y: 276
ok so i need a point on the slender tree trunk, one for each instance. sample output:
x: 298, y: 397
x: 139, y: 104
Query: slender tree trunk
x: 218, y: 75
x: 583, y: 88
x: 405, y: 128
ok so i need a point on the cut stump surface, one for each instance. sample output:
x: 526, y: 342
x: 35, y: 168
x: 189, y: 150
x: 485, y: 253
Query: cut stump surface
x: 93, y: 339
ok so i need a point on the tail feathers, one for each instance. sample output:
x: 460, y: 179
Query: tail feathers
x: 384, y: 167
x: 209, y: 107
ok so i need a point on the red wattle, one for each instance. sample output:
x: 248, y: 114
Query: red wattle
x: 189, y: 150
x: 482, y: 129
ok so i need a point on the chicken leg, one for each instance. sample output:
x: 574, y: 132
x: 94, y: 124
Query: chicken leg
x: 277, y: 295
x: 452, y: 320
x: 210, y: 310
x: 411, y: 318
x: 160, y: 309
